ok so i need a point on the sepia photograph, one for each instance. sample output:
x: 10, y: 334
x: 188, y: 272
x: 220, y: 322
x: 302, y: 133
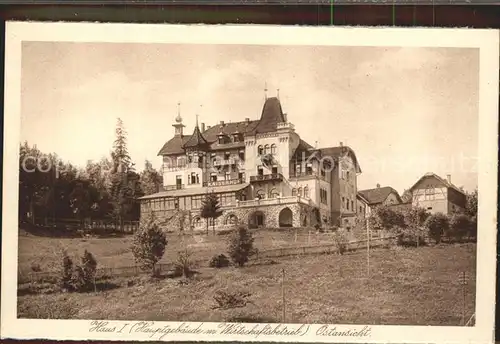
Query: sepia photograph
x: 270, y: 187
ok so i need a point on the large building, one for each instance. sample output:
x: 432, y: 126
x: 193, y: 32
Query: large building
x: 262, y: 171
x: 371, y: 198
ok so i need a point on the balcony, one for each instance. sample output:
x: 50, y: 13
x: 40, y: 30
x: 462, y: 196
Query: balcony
x: 266, y: 178
x: 181, y: 167
x: 173, y: 187
x: 273, y: 201
x: 223, y: 182
x: 226, y: 162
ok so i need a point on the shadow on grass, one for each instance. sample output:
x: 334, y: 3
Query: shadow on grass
x: 65, y: 232
x: 252, y: 319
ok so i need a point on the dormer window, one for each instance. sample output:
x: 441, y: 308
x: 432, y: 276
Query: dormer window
x: 260, y: 150
x: 241, y: 154
x: 237, y: 137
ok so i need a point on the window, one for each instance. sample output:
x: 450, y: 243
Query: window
x: 267, y: 149
x: 306, y: 192
x: 323, y: 173
x: 273, y: 193
x: 429, y: 193
x: 360, y: 209
x: 347, y: 175
x: 227, y: 155
x: 347, y: 205
x: 323, y: 194
x: 273, y: 149
x: 227, y: 176
x: 195, y: 178
x: 274, y: 170
x: 300, y: 191
x: 260, y: 150
x: 260, y: 171
x: 297, y: 169
x: 352, y: 205
x: 294, y: 192
x: 343, y: 202
x: 178, y: 182
x: 241, y: 176
x: 261, y: 194
x: 309, y: 169
x: 213, y: 177
x: 241, y: 154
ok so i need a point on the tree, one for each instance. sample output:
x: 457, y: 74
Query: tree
x: 437, y: 224
x: 84, y: 274
x: 210, y: 209
x: 459, y: 226
x: 149, y: 244
x: 125, y: 185
x: 80, y: 201
x: 414, y: 219
x: 384, y: 218
x: 241, y: 246
x: 471, y: 211
x: 151, y: 180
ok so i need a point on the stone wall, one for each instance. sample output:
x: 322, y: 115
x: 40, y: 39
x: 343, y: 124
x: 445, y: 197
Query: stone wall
x: 301, y: 215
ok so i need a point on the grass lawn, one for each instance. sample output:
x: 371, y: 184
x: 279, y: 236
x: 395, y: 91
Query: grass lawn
x: 413, y: 286
x: 116, y: 252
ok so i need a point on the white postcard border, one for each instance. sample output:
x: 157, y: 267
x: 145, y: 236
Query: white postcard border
x: 485, y: 40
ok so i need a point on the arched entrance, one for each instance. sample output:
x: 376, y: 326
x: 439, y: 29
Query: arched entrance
x: 231, y: 219
x: 286, y: 218
x: 256, y: 219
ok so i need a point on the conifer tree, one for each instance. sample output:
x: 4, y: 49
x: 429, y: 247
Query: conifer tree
x: 210, y: 209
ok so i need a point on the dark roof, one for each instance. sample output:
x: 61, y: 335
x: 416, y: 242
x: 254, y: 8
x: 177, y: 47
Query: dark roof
x: 442, y: 180
x: 174, y: 145
x: 243, y: 127
x: 336, y: 152
x: 272, y: 114
x: 196, y: 140
x: 377, y: 195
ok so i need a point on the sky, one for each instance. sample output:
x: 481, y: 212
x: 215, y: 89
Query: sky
x: 404, y: 111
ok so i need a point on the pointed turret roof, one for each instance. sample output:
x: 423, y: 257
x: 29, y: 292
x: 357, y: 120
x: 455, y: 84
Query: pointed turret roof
x: 272, y: 114
x: 196, y: 140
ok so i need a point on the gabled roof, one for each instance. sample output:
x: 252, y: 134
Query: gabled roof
x: 196, y: 140
x: 174, y: 145
x: 377, y: 195
x: 441, y: 180
x: 336, y: 152
x: 272, y: 114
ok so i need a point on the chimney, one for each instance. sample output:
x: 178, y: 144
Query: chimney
x: 341, y: 144
x: 208, y: 127
x: 448, y: 178
x: 378, y: 185
x: 247, y: 120
x: 285, y: 117
x: 202, y: 127
x: 222, y: 123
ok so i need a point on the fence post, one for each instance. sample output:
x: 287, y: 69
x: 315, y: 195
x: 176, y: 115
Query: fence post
x: 283, y: 293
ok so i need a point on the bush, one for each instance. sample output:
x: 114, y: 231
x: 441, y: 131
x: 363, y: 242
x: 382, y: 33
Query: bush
x: 341, y: 241
x: 83, y: 278
x: 219, y: 261
x: 230, y: 299
x: 241, y: 246
x: 66, y: 272
x: 35, y: 267
x: 149, y: 245
x: 459, y: 226
x: 410, y: 236
x: 184, y: 263
x: 437, y: 224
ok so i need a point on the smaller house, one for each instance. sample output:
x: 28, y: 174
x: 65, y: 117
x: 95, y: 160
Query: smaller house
x: 437, y: 195
x: 367, y: 200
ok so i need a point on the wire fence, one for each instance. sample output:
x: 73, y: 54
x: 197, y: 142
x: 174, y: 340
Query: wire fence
x: 130, y: 271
